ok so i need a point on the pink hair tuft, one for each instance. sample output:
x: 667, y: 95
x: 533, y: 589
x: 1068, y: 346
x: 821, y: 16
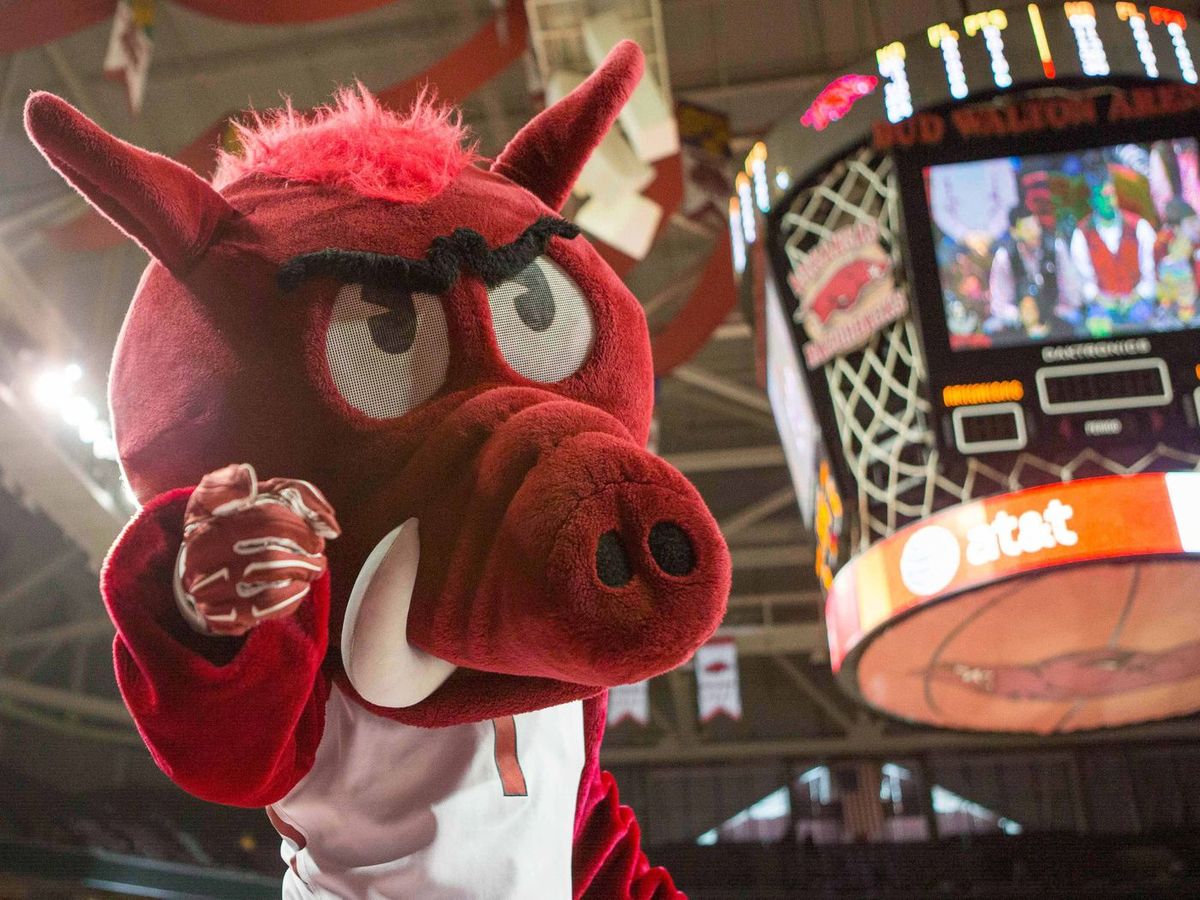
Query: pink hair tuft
x: 357, y: 144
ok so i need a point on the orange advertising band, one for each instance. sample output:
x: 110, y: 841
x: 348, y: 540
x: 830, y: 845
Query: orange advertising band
x: 1008, y: 535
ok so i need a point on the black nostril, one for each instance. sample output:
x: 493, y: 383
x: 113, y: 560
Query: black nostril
x: 612, y: 565
x: 672, y: 549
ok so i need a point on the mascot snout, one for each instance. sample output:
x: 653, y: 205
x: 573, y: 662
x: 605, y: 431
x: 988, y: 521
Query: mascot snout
x: 612, y: 557
x: 605, y: 568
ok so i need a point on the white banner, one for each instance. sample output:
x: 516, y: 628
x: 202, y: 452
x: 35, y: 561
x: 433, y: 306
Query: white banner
x: 130, y: 48
x: 718, y: 689
x: 629, y: 701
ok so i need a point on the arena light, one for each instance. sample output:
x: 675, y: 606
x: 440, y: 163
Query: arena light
x: 982, y: 392
x: 746, y: 201
x: 756, y: 168
x: 897, y: 96
x: 945, y: 38
x: 1186, y: 67
x: 1176, y: 22
x: 56, y: 390
x: 1128, y: 12
x: 737, y: 240
x: 54, y: 387
x: 990, y: 24
x: 79, y: 412
x: 1039, y: 37
x: 1082, y: 18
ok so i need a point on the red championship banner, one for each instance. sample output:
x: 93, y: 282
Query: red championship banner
x: 629, y: 702
x: 718, y: 687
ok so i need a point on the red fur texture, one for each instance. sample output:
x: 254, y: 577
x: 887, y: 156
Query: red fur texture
x: 548, y: 154
x: 166, y: 207
x: 514, y: 481
x: 357, y: 144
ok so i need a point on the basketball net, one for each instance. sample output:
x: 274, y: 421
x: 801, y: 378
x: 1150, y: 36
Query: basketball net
x: 880, y: 394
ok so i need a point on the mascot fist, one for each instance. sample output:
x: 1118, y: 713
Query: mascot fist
x: 251, y: 550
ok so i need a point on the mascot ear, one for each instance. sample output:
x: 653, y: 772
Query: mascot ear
x: 164, y: 206
x: 547, y: 155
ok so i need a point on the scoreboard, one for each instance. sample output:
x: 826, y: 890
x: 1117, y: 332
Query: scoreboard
x: 984, y: 242
x: 981, y: 55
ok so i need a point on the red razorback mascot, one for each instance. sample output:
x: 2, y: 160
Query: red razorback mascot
x: 358, y: 333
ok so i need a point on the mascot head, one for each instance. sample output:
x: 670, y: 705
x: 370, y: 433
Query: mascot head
x: 354, y: 300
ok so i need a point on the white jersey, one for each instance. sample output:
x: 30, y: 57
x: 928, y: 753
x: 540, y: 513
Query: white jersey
x: 484, y: 810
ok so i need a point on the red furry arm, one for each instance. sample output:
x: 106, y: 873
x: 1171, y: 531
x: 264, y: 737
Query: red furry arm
x: 608, y: 862
x: 232, y: 720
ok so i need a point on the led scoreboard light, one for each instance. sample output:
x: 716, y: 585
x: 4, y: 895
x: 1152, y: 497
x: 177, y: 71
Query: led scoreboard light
x: 1092, y: 57
x: 1089, y: 38
x: 945, y: 38
x: 990, y: 24
x: 897, y: 97
x: 1176, y: 22
x: 1141, y: 38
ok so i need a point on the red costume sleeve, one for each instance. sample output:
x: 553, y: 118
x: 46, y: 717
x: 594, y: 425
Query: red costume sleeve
x: 607, y: 859
x: 232, y: 720
x: 608, y: 862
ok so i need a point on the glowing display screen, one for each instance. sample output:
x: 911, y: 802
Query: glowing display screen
x: 1090, y: 244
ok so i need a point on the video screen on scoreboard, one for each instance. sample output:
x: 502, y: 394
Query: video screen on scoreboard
x: 1082, y: 245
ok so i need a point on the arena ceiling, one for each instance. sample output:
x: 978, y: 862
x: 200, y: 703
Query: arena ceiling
x: 750, y: 59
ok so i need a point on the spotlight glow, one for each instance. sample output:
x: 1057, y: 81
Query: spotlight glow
x: 737, y: 240
x: 52, y: 389
x: 746, y: 201
x: 77, y: 411
x: 756, y: 168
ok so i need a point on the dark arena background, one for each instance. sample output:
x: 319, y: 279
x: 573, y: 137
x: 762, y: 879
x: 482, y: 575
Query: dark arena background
x: 923, y: 285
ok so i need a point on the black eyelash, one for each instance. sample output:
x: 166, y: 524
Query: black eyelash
x: 437, y: 272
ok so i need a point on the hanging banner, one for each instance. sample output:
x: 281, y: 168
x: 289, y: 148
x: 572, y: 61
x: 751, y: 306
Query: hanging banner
x: 707, y: 164
x: 130, y: 48
x: 486, y: 54
x: 858, y: 790
x: 718, y: 687
x: 629, y: 702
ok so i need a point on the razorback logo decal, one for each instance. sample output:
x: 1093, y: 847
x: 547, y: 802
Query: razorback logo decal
x: 836, y: 99
x: 843, y: 290
x: 846, y: 292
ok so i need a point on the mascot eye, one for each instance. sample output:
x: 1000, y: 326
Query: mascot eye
x: 387, y: 348
x: 543, y: 322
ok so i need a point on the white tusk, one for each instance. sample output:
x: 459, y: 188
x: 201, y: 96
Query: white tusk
x: 381, y: 664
